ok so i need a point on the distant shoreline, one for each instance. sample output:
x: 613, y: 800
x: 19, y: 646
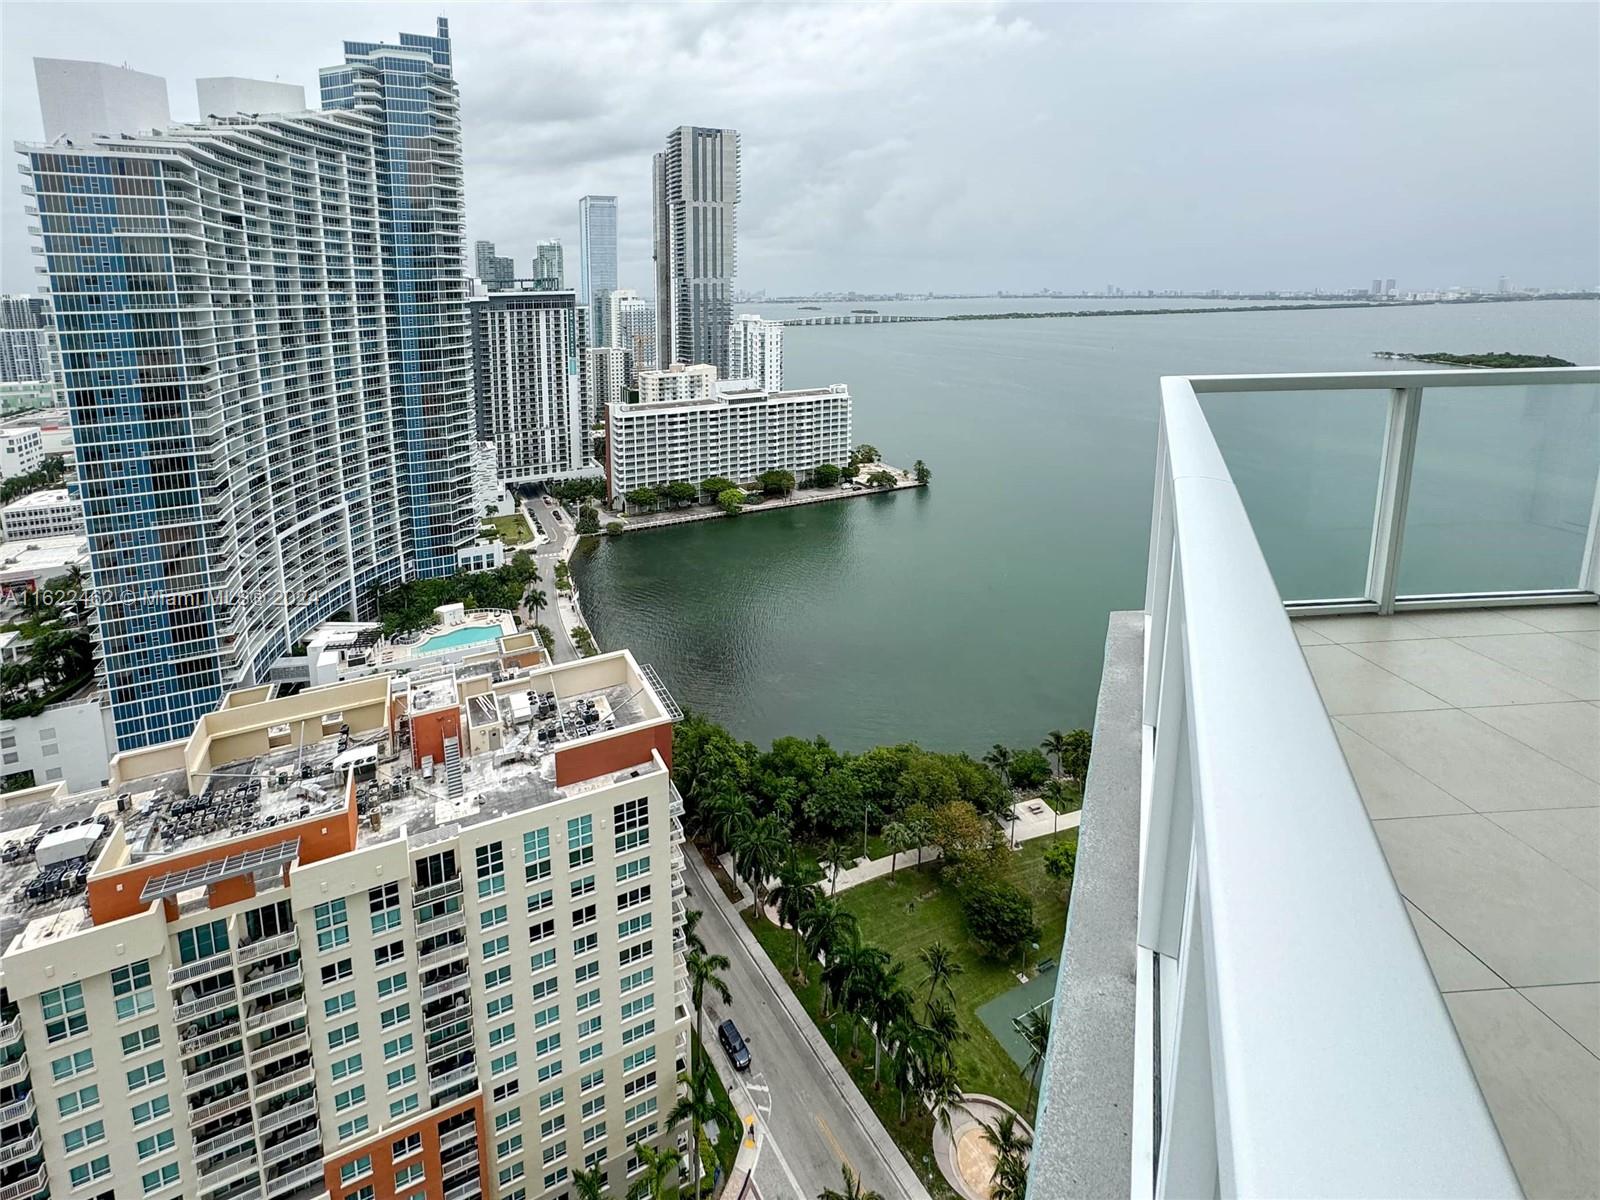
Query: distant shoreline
x: 1296, y: 306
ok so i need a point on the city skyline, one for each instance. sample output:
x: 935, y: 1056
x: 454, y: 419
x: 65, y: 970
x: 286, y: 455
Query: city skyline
x: 879, y: 185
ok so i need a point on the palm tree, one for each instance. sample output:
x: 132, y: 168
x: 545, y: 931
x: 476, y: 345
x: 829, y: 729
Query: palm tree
x: 825, y: 925
x: 691, y: 939
x: 943, y: 1031
x: 1056, y: 745
x: 757, y: 851
x: 659, y: 1174
x: 794, y: 896
x: 835, y: 857
x: 1080, y: 744
x: 999, y: 759
x: 722, y: 814
x: 699, y: 1105
x: 856, y: 969
x: 705, y: 972
x: 941, y: 1092
x: 1059, y: 795
x: 898, y: 837
x: 590, y: 1185
x: 1035, y: 1030
x: 891, y: 1003
x: 1011, y: 1145
x: 943, y: 967
x: 904, y: 1060
x: 852, y: 1188
x: 536, y: 600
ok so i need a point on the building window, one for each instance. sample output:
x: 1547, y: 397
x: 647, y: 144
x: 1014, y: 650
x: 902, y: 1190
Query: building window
x: 141, y: 1040
x: 82, y: 1100
x: 384, y: 905
x: 143, y: 1076
x: 84, y: 1136
x: 350, y: 1097
x: 406, y: 1146
x: 633, y: 897
x: 631, y: 821
x: 97, y: 1168
x: 503, y: 1064
x: 403, y: 1077
x: 157, y: 1143
x: 539, y: 901
x: 585, y: 972
x: 499, y: 1006
x: 580, y: 841
x: 542, y: 960
x: 582, y: 886
x: 72, y: 1064
x: 633, y: 868
x: 489, y: 918
x: 163, y: 1176
x: 536, y: 855
x: 344, y: 1067
x: 355, y: 1169
x: 392, y: 953
x: 633, y: 926
x: 151, y: 1110
x: 592, y: 1080
x: 352, y: 1128
x: 395, y: 1047
x: 202, y: 941
x: 586, y: 944
x: 343, y: 1036
x: 404, y: 1106
x: 334, y: 1006
x: 491, y: 870
x: 63, y: 1012
x: 331, y: 927
x: 398, y: 1015
x: 393, y: 985
x: 337, y: 972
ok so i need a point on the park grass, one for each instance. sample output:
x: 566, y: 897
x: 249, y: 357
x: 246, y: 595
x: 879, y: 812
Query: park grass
x: 903, y: 914
x: 911, y: 910
x: 511, y: 529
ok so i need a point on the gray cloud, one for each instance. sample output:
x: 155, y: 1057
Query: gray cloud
x: 976, y: 146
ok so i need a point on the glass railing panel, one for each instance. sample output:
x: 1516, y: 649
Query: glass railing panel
x: 1502, y: 489
x: 1306, y: 465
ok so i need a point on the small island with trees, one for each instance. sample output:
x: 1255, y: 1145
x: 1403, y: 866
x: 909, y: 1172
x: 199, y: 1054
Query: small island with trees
x: 1501, y: 360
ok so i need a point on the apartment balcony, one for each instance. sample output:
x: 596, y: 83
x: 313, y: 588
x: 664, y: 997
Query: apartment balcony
x: 17, y: 1110
x: 446, y: 923
x: 28, y: 1186
x: 220, y: 1035
x: 461, y: 981
x: 274, y: 1084
x: 10, y: 1032
x: 14, y: 1071
x: 225, y: 1106
x: 454, y: 1078
x: 291, y: 1181
x: 195, y: 1081
x: 289, y: 1147
x: 200, y: 969
x: 20, y: 1148
x: 1335, y: 922
x: 287, y: 1115
x: 221, y: 1143
x: 436, y: 893
x: 438, y: 957
x: 290, y: 1009
x: 466, y: 1190
x: 209, y: 1003
x: 229, y: 1169
x: 276, y: 981
x: 276, y: 944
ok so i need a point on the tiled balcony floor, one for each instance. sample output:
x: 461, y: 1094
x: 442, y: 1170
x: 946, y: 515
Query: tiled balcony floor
x: 1474, y: 738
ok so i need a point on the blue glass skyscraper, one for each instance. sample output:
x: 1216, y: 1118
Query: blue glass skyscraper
x: 597, y: 261
x: 409, y: 89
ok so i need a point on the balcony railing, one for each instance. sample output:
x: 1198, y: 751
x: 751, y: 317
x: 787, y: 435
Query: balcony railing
x: 1293, y: 1038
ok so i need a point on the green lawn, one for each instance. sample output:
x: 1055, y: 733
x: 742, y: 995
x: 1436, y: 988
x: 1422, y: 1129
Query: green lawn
x: 907, y: 912
x: 904, y: 914
x: 512, y: 529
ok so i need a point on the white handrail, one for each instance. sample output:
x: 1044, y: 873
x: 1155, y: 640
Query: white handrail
x: 1304, y: 1047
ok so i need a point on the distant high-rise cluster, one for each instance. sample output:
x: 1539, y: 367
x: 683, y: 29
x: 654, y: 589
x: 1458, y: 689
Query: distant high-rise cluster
x: 491, y: 268
x: 695, y: 217
x: 548, y: 268
x: 755, y: 352
x: 24, y: 340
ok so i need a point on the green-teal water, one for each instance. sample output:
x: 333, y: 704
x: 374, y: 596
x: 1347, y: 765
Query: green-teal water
x: 974, y: 611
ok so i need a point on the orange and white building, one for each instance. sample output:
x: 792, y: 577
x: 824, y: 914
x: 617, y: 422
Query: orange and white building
x: 400, y: 936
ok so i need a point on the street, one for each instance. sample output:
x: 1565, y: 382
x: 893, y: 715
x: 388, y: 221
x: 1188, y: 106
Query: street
x: 558, y: 531
x: 805, y: 1128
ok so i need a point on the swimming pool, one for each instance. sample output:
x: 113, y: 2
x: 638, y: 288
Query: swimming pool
x: 456, y: 638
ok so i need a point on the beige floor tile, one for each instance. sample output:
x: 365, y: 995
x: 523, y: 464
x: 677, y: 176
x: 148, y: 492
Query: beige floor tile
x: 1471, y: 622
x: 1568, y: 733
x: 1568, y: 837
x: 1457, y: 675
x: 1400, y: 627
x: 1351, y: 684
x: 1524, y: 917
x: 1560, y: 618
x: 1480, y: 766
x: 1454, y: 967
x: 1306, y: 635
x: 1388, y: 787
x: 1575, y: 1007
x: 1547, y: 657
x: 1584, y: 637
x: 1542, y: 1088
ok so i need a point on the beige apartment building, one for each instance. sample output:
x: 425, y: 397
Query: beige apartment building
x: 401, y: 936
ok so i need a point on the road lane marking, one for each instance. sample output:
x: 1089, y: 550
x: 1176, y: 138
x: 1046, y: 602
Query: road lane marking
x: 838, y: 1150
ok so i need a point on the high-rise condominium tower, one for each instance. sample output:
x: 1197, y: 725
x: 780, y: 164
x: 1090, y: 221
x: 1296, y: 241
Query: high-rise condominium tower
x: 597, y: 260
x: 755, y: 352
x: 696, y: 195
x: 409, y: 91
x: 528, y: 348
x: 491, y: 268
x: 631, y: 323
x: 547, y: 263
x: 233, y: 407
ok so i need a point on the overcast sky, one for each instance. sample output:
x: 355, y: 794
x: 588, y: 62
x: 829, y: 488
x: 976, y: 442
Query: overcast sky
x: 972, y: 147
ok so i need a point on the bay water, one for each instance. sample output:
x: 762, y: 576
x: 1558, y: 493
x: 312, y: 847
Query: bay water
x: 974, y: 611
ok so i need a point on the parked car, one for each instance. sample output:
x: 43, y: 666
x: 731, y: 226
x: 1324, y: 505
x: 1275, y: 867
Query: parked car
x: 738, y: 1053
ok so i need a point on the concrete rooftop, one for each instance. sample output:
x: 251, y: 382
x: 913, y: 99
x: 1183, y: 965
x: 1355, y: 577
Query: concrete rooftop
x: 1474, y: 739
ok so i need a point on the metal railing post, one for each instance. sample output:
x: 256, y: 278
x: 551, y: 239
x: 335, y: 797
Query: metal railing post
x: 1394, y: 495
